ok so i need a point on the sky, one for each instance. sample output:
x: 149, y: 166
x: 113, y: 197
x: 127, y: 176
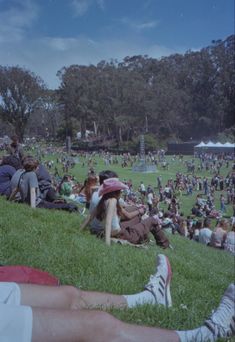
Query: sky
x: 46, y: 35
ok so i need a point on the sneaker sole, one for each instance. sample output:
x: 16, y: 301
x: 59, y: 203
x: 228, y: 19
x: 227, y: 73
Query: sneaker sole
x: 168, y: 281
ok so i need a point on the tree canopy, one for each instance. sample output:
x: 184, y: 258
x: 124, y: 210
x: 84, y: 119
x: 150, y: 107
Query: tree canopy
x: 182, y: 96
x: 20, y: 95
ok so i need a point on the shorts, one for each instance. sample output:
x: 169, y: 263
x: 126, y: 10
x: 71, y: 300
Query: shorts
x: 15, y: 320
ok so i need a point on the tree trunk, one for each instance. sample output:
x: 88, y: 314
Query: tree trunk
x: 19, y: 131
x: 83, y: 128
x: 95, y: 128
x: 120, y: 134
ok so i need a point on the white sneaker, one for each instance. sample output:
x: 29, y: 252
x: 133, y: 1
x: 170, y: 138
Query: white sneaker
x: 159, y: 283
x: 222, y: 321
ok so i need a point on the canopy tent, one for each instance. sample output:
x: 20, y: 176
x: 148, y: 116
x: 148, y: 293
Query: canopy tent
x: 227, y: 144
x: 202, y: 144
x: 215, y: 147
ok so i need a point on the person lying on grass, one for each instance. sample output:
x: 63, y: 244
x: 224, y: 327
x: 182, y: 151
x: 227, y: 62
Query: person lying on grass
x: 60, y: 313
x: 109, y: 212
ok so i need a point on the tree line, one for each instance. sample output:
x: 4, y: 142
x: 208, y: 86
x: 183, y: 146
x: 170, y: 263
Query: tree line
x: 180, y: 97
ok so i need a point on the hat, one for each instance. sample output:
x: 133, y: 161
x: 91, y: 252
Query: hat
x: 110, y: 185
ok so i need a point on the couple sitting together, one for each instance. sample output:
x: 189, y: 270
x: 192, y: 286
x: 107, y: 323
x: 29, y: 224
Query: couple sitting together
x: 110, y: 217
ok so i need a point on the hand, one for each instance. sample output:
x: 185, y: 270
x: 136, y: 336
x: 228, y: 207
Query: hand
x: 141, y: 211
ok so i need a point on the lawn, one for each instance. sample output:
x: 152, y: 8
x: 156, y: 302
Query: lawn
x: 51, y: 240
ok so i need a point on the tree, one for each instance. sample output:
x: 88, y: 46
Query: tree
x: 75, y: 95
x: 20, y: 94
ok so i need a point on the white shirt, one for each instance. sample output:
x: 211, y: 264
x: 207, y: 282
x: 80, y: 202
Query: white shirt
x: 205, y: 235
x: 150, y: 198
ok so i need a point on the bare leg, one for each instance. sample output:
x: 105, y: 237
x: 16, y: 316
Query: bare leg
x: 68, y: 325
x: 68, y: 297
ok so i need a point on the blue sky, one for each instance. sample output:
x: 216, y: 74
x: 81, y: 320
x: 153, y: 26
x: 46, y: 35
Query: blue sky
x: 45, y: 35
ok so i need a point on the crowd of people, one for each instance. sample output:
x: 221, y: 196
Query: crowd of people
x: 115, y: 211
x: 131, y: 213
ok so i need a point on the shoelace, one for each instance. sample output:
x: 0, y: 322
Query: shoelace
x: 218, y: 321
x: 152, y: 277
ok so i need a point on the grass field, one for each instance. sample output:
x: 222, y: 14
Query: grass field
x: 51, y: 240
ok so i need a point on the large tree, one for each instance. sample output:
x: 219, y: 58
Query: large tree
x: 21, y: 93
x: 181, y: 96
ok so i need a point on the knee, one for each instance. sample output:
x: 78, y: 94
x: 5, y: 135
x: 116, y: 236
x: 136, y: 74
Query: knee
x: 110, y: 325
x: 72, y: 295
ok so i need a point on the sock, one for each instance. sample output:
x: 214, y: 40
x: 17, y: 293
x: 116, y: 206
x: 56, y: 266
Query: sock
x: 141, y: 298
x: 201, y: 334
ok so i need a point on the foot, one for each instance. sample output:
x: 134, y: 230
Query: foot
x: 159, y: 283
x: 222, y: 321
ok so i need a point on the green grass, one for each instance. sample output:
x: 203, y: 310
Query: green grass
x: 51, y: 240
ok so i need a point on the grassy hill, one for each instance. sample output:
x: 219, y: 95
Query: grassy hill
x: 51, y: 240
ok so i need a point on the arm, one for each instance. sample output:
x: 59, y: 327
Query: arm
x: 88, y: 219
x: 223, y: 240
x: 112, y: 203
x: 130, y: 215
x: 13, y: 194
x: 33, y: 197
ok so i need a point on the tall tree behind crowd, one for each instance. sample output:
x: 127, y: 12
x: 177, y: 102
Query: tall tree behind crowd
x: 20, y: 93
x: 183, y: 96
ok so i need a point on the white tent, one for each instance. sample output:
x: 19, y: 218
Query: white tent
x: 210, y: 144
x: 218, y: 144
x: 215, y: 147
x: 202, y: 144
x: 228, y: 144
x: 87, y: 134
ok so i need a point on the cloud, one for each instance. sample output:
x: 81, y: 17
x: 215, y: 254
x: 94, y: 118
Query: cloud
x: 81, y: 7
x: 146, y: 25
x: 59, y: 44
x: 47, y: 55
x: 101, y: 4
x: 140, y: 26
x: 16, y: 19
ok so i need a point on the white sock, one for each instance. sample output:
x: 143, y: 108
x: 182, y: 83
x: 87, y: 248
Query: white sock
x: 201, y: 334
x: 141, y: 298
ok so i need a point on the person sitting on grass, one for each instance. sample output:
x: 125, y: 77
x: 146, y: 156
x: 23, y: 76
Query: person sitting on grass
x: 229, y: 244
x: 205, y: 232
x: 8, y: 167
x: 219, y: 234
x: 46, y: 188
x: 196, y: 229
x: 28, y: 188
x: 65, y: 187
x: 86, y: 191
x: 59, y: 313
x: 109, y: 213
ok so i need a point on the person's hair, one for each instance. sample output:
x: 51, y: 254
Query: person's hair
x: 87, y: 186
x: 12, y: 161
x: 223, y: 222
x: 14, y: 140
x: 106, y: 174
x: 30, y: 163
x: 198, y: 224
x: 207, y: 222
x: 100, y: 211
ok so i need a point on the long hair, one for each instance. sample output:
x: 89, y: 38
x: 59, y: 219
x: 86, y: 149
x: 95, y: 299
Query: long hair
x: 100, y: 211
x: 87, y: 186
